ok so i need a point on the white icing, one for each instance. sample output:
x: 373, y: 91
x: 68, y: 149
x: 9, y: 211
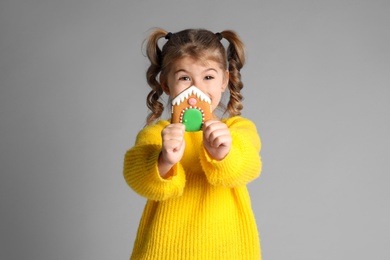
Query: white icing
x: 189, y: 91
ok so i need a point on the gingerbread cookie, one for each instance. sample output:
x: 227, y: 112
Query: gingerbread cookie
x: 192, y: 108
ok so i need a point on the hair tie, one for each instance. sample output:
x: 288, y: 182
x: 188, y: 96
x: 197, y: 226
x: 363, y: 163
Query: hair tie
x: 168, y: 36
x: 219, y: 35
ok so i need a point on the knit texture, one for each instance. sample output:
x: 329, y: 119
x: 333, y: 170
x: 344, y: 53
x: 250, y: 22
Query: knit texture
x: 203, y: 209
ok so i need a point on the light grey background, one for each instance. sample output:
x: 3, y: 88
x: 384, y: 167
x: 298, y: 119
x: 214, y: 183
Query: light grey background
x: 73, y: 98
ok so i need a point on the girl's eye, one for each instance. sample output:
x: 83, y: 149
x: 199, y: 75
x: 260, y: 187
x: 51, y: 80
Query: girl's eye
x: 185, y: 78
x: 209, y: 77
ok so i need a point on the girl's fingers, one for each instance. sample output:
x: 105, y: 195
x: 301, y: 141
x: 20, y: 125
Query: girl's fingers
x: 216, y: 133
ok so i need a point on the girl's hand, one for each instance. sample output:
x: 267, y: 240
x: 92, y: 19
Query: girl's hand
x: 216, y: 139
x: 173, y: 145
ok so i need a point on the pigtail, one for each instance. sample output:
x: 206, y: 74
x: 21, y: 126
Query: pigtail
x: 153, y: 53
x: 236, y: 60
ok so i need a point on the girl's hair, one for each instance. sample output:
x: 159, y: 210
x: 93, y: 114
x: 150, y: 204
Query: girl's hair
x: 201, y: 45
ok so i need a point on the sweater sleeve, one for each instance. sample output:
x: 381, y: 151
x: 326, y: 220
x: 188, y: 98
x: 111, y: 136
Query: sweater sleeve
x: 243, y: 162
x: 141, y: 170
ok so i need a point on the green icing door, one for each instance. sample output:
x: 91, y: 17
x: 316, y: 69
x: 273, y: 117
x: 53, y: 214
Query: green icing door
x: 192, y: 119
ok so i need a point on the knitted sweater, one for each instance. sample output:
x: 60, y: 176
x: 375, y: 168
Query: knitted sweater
x: 203, y: 209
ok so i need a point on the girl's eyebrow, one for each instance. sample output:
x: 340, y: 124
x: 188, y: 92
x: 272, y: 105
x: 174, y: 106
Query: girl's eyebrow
x: 206, y: 70
x: 180, y: 70
x: 212, y: 69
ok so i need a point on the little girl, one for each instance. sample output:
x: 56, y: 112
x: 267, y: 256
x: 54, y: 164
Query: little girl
x: 198, y: 206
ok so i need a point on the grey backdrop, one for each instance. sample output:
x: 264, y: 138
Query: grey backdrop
x: 73, y: 98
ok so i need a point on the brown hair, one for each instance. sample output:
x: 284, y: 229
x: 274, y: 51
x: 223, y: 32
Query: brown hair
x: 198, y: 44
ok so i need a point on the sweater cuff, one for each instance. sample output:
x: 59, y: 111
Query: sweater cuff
x: 141, y: 173
x: 216, y: 164
x: 240, y: 166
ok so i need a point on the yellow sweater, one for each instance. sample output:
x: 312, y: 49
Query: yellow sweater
x: 203, y: 210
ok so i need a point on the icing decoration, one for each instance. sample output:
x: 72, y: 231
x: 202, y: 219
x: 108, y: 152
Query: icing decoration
x: 192, y: 101
x: 189, y: 91
x: 192, y: 118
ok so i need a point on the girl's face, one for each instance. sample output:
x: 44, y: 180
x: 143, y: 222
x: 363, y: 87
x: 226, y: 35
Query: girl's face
x: 208, y: 77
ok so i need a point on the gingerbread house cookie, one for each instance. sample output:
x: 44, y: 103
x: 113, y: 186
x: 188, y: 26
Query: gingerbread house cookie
x: 192, y: 108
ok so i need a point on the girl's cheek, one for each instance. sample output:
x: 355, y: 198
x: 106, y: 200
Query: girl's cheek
x: 176, y: 90
x: 183, y: 85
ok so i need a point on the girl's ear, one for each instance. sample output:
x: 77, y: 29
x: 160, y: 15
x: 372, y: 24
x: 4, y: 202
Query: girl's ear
x: 164, y: 85
x: 225, y: 81
x: 165, y: 88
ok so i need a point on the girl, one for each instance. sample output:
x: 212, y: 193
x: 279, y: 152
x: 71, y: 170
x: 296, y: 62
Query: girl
x: 198, y: 206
